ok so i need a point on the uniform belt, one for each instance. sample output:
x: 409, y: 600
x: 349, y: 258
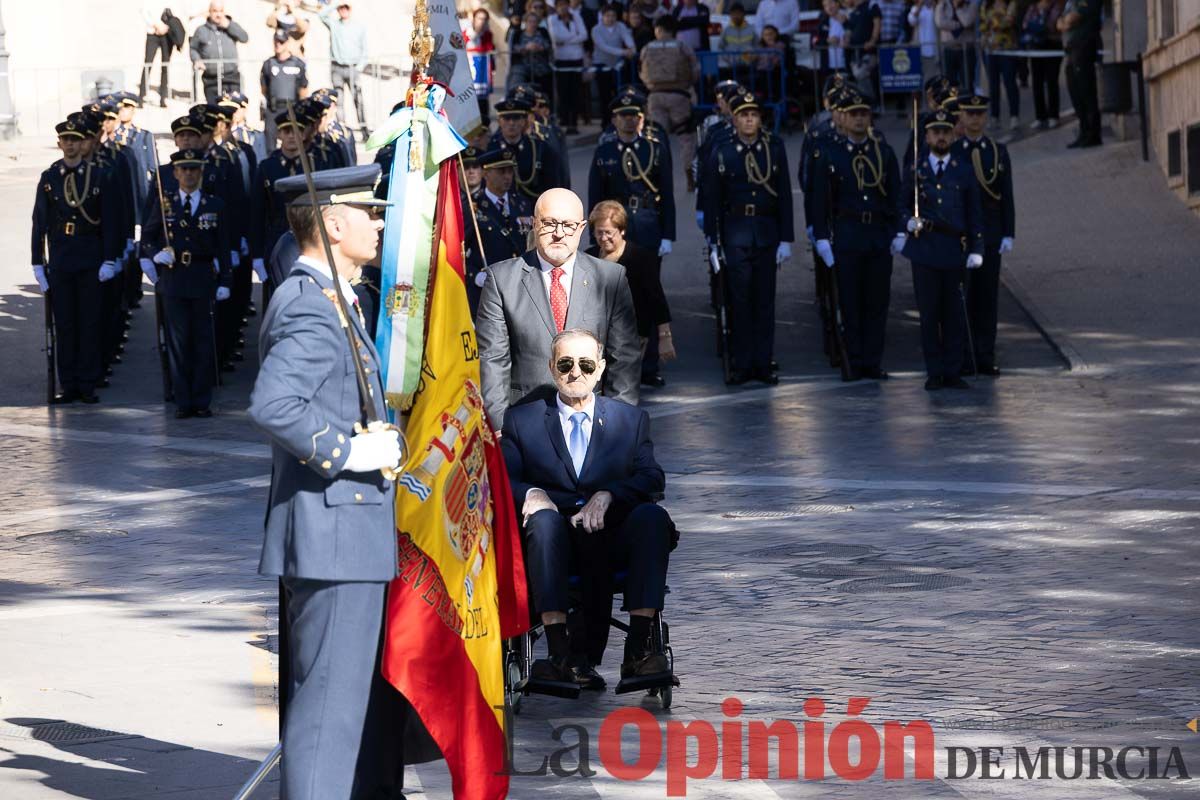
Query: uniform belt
x: 183, y: 258
x: 73, y: 229
x: 750, y: 210
x: 864, y: 217
x: 940, y: 227
x: 645, y: 202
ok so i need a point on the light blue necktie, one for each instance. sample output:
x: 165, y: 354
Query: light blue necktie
x: 577, y: 445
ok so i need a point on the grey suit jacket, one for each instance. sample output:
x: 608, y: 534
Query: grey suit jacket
x: 322, y: 523
x: 515, y: 326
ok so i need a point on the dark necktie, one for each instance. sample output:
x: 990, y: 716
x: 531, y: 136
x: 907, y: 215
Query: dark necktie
x: 941, y: 167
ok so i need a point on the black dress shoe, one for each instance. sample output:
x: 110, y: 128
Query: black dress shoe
x: 955, y: 383
x: 991, y: 370
x: 103, y: 384
x: 736, y: 378
x: 237, y: 357
x: 227, y: 367
x: 1090, y: 143
x: 645, y: 664
x: 767, y: 377
x: 183, y: 413
x: 875, y: 374
x: 65, y: 398
x: 586, y: 676
x: 551, y: 669
x: 88, y: 397
x: 653, y: 380
x: 202, y: 413
x: 933, y: 383
x: 1074, y: 144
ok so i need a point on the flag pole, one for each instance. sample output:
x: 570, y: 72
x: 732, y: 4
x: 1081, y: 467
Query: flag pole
x: 471, y: 204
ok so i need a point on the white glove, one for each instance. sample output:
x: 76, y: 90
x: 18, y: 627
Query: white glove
x: 481, y: 278
x: 714, y: 261
x: 234, y: 260
x: 129, y: 246
x: 974, y: 261
x: 809, y: 231
x: 700, y: 220
x: 164, y: 257
x: 373, y: 451
x: 898, y: 243
x: 245, y: 247
x: 783, y: 252
x: 1006, y: 245
x: 825, y: 251
x: 259, y: 269
x: 664, y: 248
x: 149, y: 270
x: 108, y: 271
x: 39, y: 274
x: 913, y: 225
x: 222, y: 293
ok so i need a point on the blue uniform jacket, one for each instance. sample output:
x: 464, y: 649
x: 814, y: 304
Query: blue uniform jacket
x: 268, y: 212
x: 79, y: 236
x: 619, y: 460
x: 741, y: 212
x: 855, y: 195
x: 322, y: 523
x: 637, y: 175
x: 504, y: 236
x: 539, y: 166
x: 953, y: 214
x: 201, y: 245
x: 994, y: 174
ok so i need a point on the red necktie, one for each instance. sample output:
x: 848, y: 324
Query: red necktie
x: 558, y: 299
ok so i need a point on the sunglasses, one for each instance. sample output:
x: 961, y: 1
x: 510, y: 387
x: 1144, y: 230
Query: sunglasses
x: 565, y: 364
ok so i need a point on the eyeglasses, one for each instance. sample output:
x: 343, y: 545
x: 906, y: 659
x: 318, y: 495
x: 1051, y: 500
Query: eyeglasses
x: 565, y: 364
x: 552, y: 226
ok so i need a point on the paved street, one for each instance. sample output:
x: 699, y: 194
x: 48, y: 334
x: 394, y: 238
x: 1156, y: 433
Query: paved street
x: 1016, y: 564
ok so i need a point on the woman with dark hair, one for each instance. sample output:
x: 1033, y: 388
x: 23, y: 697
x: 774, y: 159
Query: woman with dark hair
x: 643, y: 271
x: 531, y: 54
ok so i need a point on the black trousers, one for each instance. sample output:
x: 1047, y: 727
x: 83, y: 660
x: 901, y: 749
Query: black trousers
x: 1081, y: 84
x: 78, y: 326
x: 189, y: 329
x: 112, y: 296
x: 983, y: 297
x: 554, y: 550
x: 750, y: 285
x: 568, y: 87
x: 214, y: 88
x: 1045, y: 87
x: 864, y: 280
x: 943, y: 321
x: 160, y: 46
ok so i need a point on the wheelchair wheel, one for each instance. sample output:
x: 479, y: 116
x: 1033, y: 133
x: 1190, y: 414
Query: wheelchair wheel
x: 512, y: 676
x: 665, y: 695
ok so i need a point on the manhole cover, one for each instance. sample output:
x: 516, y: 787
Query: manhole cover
x: 797, y: 511
x: 896, y: 582
x: 60, y: 732
x: 74, y: 535
x: 812, y: 550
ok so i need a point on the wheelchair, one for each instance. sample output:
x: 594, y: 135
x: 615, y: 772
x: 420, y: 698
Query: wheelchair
x: 518, y: 660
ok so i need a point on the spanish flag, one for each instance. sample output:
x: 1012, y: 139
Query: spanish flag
x: 461, y: 586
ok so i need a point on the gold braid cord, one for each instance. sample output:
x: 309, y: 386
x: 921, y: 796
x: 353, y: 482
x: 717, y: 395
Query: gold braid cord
x: 761, y: 177
x: 76, y: 199
x: 986, y: 181
x: 633, y: 168
x: 862, y: 165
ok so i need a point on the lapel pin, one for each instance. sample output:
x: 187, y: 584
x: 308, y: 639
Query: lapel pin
x: 600, y: 421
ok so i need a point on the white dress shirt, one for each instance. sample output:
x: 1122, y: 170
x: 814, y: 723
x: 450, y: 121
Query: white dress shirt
x: 498, y: 201
x: 783, y: 14
x: 190, y: 201
x: 323, y: 268
x: 568, y: 270
x: 564, y: 419
x: 935, y: 160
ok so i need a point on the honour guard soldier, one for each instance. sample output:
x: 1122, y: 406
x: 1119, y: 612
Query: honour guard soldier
x: 240, y: 131
x: 472, y: 170
x: 940, y: 92
x: 538, y: 165
x: 748, y: 215
x: 268, y: 216
x: 332, y: 129
x: 636, y: 172
x: 504, y: 219
x: 325, y: 154
x: 943, y: 238
x: 188, y: 262
x: 139, y: 143
x: 330, y: 529
x: 76, y: 242
x: 856, y: 208
x: 993, y: 171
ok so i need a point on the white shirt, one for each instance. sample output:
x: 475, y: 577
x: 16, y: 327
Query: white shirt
x: 783, y: 14
x: 190, y: 201
x: 921, y: 18
x: 564, y: 419
x: 837, y: 55
x: 498, y: 201
x: 564, y: 279
x: 934, y: 161
x: 567, y: 37
x: 323, y: 268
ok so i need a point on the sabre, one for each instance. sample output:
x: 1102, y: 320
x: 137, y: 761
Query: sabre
x: 164, y: 366
x: 367, y: 408
x: 916, y: 188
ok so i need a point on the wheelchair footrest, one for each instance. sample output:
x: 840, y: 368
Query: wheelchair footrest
x: 568, y: 689
x: 641, y: 683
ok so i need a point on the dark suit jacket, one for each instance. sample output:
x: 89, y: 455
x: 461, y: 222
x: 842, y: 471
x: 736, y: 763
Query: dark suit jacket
x: 643, y: 269
x: 620, y: 458
x: 515, y: 326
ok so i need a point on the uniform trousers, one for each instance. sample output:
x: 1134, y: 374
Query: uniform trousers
x: 189, y: 329
x: 112, y: 293
x: 864, y: 279
x: 750, y: 286
x: 75, y: 297
x: 983, y: 296
x: 554, y: 550
x: 943, y: 321
x: 333, y: 629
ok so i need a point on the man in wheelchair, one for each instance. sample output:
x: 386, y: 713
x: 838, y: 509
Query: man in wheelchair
x: 582, y: 469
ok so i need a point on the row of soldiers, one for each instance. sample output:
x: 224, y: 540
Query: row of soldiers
x: 108, y: 213
x: 950, y: 212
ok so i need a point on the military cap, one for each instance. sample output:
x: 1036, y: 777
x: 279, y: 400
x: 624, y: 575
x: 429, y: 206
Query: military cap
x: 327, y: 97
x: 972, y: 102
x: 939, y: 81
x: 470, y: 157
x: 303, y: 120
x: 187, y: 158
x: 851, y: 100
x: 188, y: 123
x: 511, y: 107
x: 497, y: 159
x: 746, y: 101
x: 234, y: 100
x: 71, y: 128
x: 344, y: 186
x: 833, y: 84
x: 626, y: 102
x: 938, y: 119
x: 945, y: 94
x: 124, y: 99
x: 104, y: 108
x: 87, y: 123
x: 721, y: 86
x: 524, y: 92
x: 318, y: 100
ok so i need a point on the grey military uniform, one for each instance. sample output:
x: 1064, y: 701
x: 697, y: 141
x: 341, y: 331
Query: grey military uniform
x: 330, y: 534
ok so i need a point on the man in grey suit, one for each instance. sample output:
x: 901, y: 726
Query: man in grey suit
x: 552, y: 288
x: 330, y: 531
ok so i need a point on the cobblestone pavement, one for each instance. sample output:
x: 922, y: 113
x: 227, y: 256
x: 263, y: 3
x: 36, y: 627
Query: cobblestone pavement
x: 1015, y: 564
